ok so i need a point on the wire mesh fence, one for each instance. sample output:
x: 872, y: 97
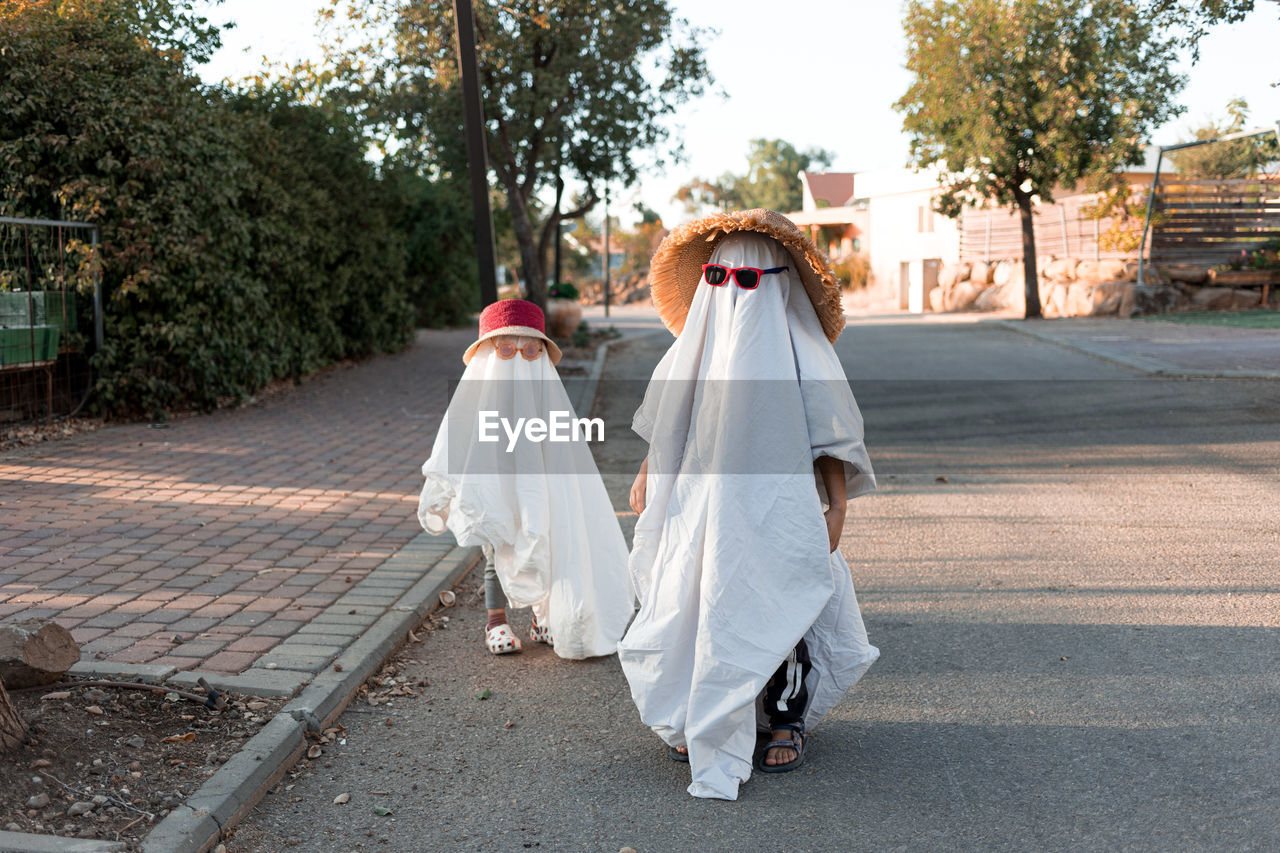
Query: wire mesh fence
x: 50, y: 316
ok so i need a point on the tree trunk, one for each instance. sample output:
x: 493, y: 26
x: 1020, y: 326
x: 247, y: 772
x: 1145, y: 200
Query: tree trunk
x: 35, y: 652
x: 13, y: 729
x: 1030, y: 274
x: 531, y: 262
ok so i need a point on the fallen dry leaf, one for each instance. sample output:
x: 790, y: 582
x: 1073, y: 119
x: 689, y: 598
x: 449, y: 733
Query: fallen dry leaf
x: 95, y: 710
x: 315, y: 752
x: 341, y: 798
x: 60, y: 694
x: 181, y: 738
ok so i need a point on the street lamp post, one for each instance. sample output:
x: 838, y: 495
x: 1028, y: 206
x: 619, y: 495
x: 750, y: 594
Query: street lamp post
x: 465, y: 25
x: 606, y: 250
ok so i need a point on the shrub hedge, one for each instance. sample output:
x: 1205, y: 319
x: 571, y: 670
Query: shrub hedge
x: 246, y: 237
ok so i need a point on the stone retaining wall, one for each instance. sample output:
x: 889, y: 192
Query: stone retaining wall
x: 1070, y: 287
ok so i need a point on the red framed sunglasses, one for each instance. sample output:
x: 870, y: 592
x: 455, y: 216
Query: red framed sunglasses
x: 748, y: 278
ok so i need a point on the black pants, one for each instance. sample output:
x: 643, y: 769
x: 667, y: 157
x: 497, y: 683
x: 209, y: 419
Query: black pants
x: 785, y: 696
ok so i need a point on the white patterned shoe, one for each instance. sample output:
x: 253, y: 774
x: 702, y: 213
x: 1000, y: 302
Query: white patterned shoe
x: 501, y: 640
x: 539, y: 634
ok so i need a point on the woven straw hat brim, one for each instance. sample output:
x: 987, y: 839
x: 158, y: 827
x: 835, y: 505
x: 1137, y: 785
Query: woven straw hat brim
x: 553, y: 351
x: 676, y: 267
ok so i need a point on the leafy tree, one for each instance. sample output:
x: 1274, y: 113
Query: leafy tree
x: 572, y: 90
x: 699, y: 194
x: 1191, y: 19
x: 1237, y: 158
x: 1013, y: 98
x: 773, y: 174
x: 772, y: 179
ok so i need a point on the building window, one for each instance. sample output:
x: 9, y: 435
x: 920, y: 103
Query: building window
x: 924, y: 219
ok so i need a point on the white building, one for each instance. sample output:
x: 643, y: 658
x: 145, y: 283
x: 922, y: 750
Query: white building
x: 906, y: 241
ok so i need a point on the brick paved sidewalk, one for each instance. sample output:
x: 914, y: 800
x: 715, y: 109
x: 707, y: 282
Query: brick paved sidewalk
x: 232, y: 531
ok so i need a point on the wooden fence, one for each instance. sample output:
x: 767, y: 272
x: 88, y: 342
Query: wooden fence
x: 1062, y: 229
x: 1200, y: 222
x: 1208, y: 222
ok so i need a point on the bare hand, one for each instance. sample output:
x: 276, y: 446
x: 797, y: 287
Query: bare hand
x: 835, y: 524
x: 638, y: 488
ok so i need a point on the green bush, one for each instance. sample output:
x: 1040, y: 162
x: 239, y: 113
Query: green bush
x: 245, y: 236
x: 853, y: 271
x: 435, y: 221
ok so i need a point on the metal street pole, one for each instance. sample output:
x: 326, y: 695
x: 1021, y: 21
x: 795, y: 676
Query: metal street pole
x: 478, y: 163
x: 606, y: 250
x: 556, y: 213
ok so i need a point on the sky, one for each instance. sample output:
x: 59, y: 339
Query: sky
x: 825, y: 75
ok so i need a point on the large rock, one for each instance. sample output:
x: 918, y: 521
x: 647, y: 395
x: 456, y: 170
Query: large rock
x: 1078, y: 302
x: 1214, y: 298
x: 1186, y: 273
x: 936, y: 300
x: 1054, y: 302
x: 1107, y: 297
x: 1247, y: 298
x: 990, y: 299
x: 1108, y: 270
x: 1129, y: 272
x: 1061, y: 269
x: 980, y: 272
x: 962, y: 296
x: 1148, y: 299
x: 950, y: 274
x: 1007, y: 271
x: 35, y: 652
x: 1087, y: 271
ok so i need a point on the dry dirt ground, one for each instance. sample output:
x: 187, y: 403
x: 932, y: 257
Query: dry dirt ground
x: 108, y: 763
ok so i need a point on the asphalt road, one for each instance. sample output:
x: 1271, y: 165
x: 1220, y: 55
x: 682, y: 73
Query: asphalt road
x: 1071, y: 571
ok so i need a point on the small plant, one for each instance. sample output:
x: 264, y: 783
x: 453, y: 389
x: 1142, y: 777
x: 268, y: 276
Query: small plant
x: 562, y: 290
x: 854, y: 271
x: 1265, y: 257
x: 582, y: 335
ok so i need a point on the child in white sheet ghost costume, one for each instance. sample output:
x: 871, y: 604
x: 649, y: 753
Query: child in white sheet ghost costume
x: 539, y: 508
x: 734, y: 559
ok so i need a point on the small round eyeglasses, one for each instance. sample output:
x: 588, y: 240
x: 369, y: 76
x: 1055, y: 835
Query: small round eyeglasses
x: 508, y: 349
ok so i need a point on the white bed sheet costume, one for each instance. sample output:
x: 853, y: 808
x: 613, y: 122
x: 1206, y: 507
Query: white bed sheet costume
x: 543, y: 507
x: 731, y: 559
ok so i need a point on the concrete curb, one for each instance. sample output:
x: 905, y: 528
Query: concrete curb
x: 328, y: 693
x: 1151, y: 366
x: 587, y: 394
x: 22, y: 842
x: 228, y: 795
x: 234, y: 789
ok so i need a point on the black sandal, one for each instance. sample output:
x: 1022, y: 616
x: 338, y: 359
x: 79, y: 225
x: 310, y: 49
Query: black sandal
x: 677, y: 755
x: 796, y: 743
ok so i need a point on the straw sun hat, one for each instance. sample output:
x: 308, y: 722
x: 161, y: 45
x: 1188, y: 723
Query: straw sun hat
x: 513, y: 317
x: 676, y: 268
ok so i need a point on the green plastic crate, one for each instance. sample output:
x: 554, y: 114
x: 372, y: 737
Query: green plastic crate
x: 21, y: 345
x: 38, y: 308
